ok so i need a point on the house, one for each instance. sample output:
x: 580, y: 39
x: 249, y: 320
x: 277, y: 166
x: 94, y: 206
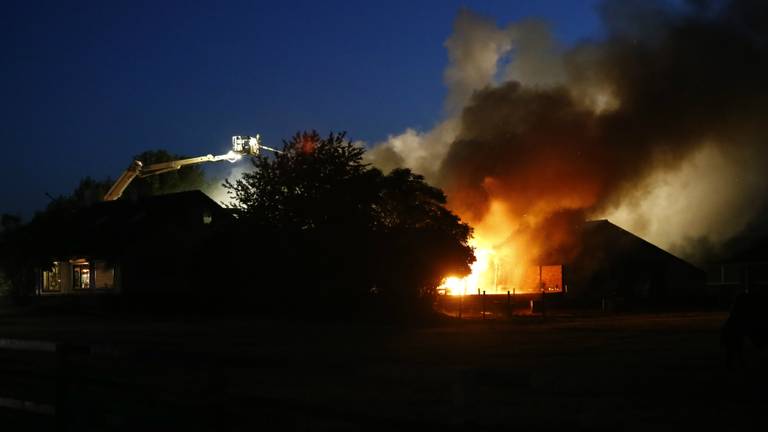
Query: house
x: 157, y: 245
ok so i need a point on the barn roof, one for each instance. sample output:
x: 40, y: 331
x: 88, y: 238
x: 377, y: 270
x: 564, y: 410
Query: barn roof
x: 613, y: 239
x: 602, y: 240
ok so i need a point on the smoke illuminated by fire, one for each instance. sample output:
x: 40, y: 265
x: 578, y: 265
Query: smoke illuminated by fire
x: 658, y: 125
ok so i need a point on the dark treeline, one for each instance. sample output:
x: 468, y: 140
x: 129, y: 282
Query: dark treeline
x: 313, y: 231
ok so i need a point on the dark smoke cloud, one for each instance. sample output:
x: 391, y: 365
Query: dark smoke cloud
x: 670, y: 104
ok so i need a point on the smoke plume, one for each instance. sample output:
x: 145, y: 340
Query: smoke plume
x: 658, y: 125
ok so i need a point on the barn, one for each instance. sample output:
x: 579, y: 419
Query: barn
x: 611, y: 262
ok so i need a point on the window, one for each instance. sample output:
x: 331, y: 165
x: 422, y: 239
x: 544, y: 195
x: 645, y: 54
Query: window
x: 52, y: 278
x: 104, y: 275
x: 81, y: 274
x: 207, y: 217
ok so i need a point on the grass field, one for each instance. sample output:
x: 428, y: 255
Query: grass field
x: 598, y: 372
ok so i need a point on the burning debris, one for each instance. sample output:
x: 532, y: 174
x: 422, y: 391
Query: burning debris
x: 657, y: 126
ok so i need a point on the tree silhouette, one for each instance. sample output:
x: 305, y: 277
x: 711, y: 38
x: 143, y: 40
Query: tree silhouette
x: 426, y: 241
x: 345, y: 232
x: 187, y: 178
x: 88, y: 192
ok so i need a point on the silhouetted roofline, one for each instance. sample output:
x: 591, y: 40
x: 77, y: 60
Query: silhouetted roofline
x: 606, y: 222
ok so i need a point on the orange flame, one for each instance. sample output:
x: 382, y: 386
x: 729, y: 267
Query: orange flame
x: 505, y: 259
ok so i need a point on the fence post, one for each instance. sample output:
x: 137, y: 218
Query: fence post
x: 509, y: 304
x: 482, y: 305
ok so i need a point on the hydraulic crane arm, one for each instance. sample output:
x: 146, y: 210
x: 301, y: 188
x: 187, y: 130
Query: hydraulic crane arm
x: 123, y: 181
x: 241, y: 145
x: 137, y: 169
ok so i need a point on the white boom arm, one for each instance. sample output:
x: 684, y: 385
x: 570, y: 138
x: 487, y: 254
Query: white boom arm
x: 241, y: 145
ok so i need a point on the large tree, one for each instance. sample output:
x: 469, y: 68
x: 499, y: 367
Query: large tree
x: 344, y: 230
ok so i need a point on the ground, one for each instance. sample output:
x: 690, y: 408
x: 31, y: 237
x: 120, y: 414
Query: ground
x: 581, y: 372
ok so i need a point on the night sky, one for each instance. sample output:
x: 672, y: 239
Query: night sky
x: 86, y: 85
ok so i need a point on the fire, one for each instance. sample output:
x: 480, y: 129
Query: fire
x: 454, y: 285
x: 491, y: 256
x: 477, y: 279
x: 504, y: 259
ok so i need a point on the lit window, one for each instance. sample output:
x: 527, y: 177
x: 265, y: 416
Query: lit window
x: 52, y: 278
x: 81, y: 275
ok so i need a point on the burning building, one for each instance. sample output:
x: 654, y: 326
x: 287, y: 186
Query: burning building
x: 656, y: 125
x: 602, y: 261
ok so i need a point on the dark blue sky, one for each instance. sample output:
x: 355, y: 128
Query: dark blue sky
x: 86, y: 85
